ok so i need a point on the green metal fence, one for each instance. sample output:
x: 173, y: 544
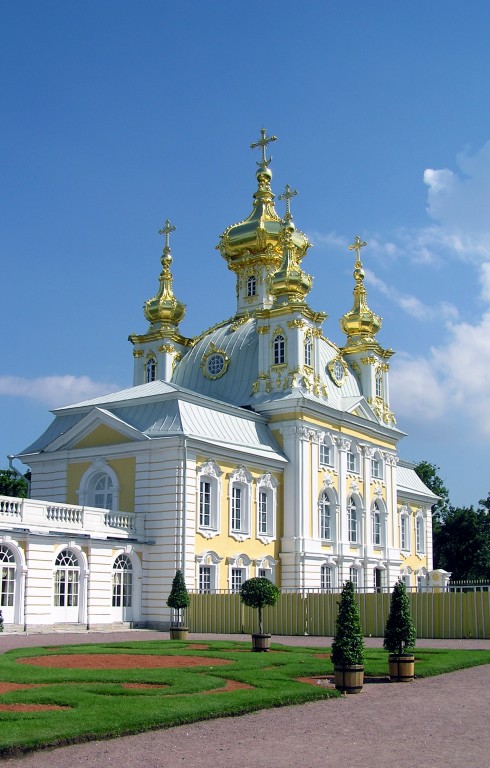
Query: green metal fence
x: 436, y: 614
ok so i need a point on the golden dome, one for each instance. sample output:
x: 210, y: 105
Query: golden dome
x: 361, y: 324
x: 164, y: 309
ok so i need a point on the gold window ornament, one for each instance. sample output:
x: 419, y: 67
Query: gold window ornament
x: 214, y: 363
x: 338, y: 370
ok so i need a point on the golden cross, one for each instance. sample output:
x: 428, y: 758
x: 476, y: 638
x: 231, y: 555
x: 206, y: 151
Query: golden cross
x: 356, y: 246
x: 167, y: 229
x: 262, y: 143
x: 287, y: 195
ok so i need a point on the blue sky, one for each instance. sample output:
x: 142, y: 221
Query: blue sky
x: 118, y: 115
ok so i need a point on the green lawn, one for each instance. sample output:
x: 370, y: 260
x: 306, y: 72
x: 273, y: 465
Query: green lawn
x: 99, y: 706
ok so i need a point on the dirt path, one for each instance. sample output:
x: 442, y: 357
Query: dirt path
x: 438, y: 722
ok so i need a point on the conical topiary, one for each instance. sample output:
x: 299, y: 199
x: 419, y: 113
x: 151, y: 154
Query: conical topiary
x: 400, y: 634
x: 179, y: 596
x: 348, y: 644
x: 1, y: 621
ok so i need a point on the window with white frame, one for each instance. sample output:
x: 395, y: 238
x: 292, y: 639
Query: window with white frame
x: 377, y: 523
x: 237, y: 579
x: 326, y: 581
x: 354, y: 576
x: 326, y: 452
x: 7, y: 571
x: 351, y: 461
x: 66, y: 579
x: 404, y: 531
x: 150, y: 370
x: 379, y: 384
x: 205, y: 582
x: 419, y: 534
x: 208, y: 489
x: 308, y: 350
x: 376, y: 470
x: 352, y: 521
x: 251, y: 286
x: 122, y: 582
x: 279, y: 349
x: 266, y: 503
x: 103, y: 497
x: 264, y: 573
x: 325, y: 517
x: 240, y: 482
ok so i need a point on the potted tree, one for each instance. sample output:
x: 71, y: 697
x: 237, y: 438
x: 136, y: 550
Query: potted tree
x: 257, y: 593
x: 400, y: 636
x: 178, y: 599
x: 348, y: 645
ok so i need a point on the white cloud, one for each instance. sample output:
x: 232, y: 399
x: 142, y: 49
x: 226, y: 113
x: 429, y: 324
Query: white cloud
x: 411, y: 304
x: 54, y: 391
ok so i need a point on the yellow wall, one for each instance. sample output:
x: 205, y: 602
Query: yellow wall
x: 125, y: 471
x: 102, y: 435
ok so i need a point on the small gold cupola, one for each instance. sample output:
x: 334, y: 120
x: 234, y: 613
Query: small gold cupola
x: 361, y: 324
x: 289, y: 283
x: 253, y: 248
x: 164, y: 309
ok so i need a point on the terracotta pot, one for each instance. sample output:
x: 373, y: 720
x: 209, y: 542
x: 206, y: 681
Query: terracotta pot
x: 350, y: 678
x: 260, y: 642
x: 179, y: 633
x: 402, y: 668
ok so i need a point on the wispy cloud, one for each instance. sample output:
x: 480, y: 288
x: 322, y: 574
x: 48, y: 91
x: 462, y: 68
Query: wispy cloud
x: 411, y: 304
x: 54, y: 391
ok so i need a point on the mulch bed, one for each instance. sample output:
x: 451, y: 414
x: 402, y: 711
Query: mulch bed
x: 120, y: 661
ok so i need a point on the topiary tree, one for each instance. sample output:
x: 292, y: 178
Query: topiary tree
x: 179, y: 596
x: 1, y: 621
x: 257, y: 593
x: 348, y: 644
x: 400, y: 634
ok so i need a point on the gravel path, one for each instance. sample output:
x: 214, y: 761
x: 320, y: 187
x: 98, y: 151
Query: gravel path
x: 439, y: 722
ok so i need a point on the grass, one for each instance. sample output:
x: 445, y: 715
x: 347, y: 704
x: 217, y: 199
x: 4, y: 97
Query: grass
x: 100, y: 707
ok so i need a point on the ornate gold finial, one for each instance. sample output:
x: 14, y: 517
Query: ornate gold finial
x: 287, y: 195
x: 360, y: 324
x: 166, y: 230
x: 356, y: 246
x: 262, y: 143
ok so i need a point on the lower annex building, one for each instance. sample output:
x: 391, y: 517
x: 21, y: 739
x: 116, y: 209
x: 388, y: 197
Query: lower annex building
x: 258, y: 448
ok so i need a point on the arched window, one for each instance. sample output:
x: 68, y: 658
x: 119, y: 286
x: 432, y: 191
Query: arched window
x: 150, y: 370
x: 103, y: 498
x: 420, y: 534
x: 251, y: 285
x: 122, y: 582
x: 308, y: 349
x: 279, y: 347
x: 379, y: 384
x: 325, y: 517
x: 66, y: 580
x: 352, y: 521
x: 7, y: 571
x: 377, y: 525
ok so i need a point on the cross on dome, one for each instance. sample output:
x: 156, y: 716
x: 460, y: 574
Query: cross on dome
x: 287, y: 195
x: 262, y: 143
x: 356, y: 246
x: 166, y: 230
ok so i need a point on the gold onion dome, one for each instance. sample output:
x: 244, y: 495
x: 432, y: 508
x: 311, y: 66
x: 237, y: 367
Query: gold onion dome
x: 360, y: 324
x: 260, y: 235
x: 164, y: 309
x: 289, y: 283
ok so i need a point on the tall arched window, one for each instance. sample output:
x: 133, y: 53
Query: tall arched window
x: 352, y: 521
x: 66, y: 580
x: 377, y: 525
x: 150, y: 370
x: 308, y: 349
x: 325, y: 517
x: 103, y: 492
x: 122, y: 582
x: 279, y: 347
x: 251, y: 285
x: 7, y: 572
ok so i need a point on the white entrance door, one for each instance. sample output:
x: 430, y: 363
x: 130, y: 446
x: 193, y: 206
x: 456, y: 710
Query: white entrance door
x: 122, y: 589
x: 7, y: 584
x: 66, y: 588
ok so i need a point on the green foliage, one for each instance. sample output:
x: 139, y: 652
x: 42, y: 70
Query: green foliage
x: 257, y: 593
x: 428, y: 474
x: 462, y: 542
x: 400, y: 634
x: 11, y: 484
x: 179, y: 596
x: 1, y: 621
x: 348, y: 644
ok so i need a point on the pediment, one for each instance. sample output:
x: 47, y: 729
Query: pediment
x: 98, y: 428
x: 358, y: 406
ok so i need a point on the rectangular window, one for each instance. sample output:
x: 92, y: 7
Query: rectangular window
x: 236, y: 579
x: 325, y: 454
x: 263, y: 513
x: 7, y: 587
x: 325, y: 519
x: 375, y: 468
x: 379, y: 386
x: 236, y: 508
x: 419, y: 533
x: 205, y: 504
x: 351, y: 462
x: 204, y: 578
x: 404, y: 532
x: 377, y: 529
x: 326, y: 577
x: 354, y: 576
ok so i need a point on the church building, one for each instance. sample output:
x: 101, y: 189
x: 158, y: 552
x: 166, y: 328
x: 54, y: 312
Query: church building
x: 258, y: 448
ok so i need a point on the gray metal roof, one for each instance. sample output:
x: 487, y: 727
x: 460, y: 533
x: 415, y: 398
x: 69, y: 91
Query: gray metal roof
x: 409, y: 482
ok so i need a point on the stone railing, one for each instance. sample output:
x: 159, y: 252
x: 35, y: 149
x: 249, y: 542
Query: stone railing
x: 38, y: 516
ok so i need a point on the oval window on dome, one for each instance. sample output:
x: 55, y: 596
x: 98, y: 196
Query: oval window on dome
x: 337, y: 371
x: 214, y: 363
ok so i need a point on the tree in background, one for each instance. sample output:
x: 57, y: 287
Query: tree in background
x: 462, y: 543
x: 428, y: 474
x: 12, y: 484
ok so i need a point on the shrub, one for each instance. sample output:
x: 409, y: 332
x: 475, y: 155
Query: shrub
x: 179, y: 596
x: 1, y: 621
x: 400, y: 634
x: 257, y: 593
x: 348, y: 644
